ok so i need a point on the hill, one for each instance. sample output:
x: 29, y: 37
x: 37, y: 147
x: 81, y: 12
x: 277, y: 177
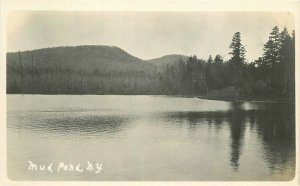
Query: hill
x: 86, y: 58
x: 168, y: 60
x: 96, y: 70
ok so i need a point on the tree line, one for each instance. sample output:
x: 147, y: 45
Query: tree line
x: 271, y: 76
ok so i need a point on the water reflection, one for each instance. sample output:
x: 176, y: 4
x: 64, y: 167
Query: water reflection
x: 70, y: 123
x: 213, y: 140
x: 277, y: 131
x: 274, y: 123
x: 237, y: 130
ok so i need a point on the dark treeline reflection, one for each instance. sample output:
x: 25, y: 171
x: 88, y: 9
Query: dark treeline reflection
x: 274, y: 124
x: 237, y: 130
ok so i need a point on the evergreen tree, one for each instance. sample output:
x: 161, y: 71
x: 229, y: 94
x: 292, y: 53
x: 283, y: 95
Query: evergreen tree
x: 218, y: 59
x: 287, y: 62
x: 210, y: 60
x: 210, y: 83
x: 271, y: 58
x: 238, y: 50
x: 276, y: 67
x: 271, y: 48
x: 237, y: 60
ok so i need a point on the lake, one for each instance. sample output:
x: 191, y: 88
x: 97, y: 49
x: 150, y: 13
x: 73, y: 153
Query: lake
x: 149, y: 138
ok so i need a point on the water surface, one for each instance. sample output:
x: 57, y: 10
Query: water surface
x: 156, y: 138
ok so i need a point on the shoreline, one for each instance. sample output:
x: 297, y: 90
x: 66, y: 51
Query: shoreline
x: 258, y: 100
x: 181, y: 96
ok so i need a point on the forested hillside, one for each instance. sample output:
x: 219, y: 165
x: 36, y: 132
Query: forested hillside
x: 75, y: 70
x: 167, y: 60
x: 111, y: 70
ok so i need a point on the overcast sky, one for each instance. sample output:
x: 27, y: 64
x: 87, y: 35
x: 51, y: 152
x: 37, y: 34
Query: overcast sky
x: 145, y: 35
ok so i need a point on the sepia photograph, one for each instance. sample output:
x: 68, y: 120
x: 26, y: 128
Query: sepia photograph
x: 150, y: 95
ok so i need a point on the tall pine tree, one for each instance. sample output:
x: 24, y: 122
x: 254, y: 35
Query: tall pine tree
x: 287, y: 63
x: 238, y: 50
x: 237, y: 60
x: 277, y: 64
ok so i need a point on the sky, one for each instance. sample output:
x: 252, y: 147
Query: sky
x: 146, y: 35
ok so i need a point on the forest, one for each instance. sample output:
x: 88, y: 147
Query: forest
x: 103, y: 70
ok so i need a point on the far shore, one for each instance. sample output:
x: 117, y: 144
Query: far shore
x: 169, y: 95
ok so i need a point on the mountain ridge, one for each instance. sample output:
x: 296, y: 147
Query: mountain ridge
x: 84, y: 57
x: 166, y: 59
x: 169, y: 59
